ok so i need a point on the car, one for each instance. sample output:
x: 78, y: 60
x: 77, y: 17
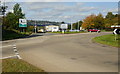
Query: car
x: 41, y: 31
x: 93, y: 30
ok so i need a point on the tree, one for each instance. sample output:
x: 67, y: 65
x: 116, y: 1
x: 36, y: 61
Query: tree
x: 8, y: 23
x: 110, y: 15
x: 99, y: 21
x: 63, y: 22
x: 75, y: 25
x: 88, y: 22
x: 12, y: 19
x: 17, y: 11
x: 111, y: 19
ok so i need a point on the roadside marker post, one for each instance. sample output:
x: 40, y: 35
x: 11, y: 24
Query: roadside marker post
x: 16, y: 52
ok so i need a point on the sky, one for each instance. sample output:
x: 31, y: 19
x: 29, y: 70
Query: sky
x: 63, y: 11
x: 61, y: 0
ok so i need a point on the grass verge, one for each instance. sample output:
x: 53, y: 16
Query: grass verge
x: 17, y: 65
x: 108, y: 40
x: 12, y: 34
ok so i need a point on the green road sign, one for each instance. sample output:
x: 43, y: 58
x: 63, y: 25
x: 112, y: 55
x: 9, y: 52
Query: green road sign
x: 22, y: 23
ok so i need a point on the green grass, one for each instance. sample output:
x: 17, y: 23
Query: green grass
x: 17, y: 65
x: 108, y: 40
x: 12, y: 34
x: 68, y: 32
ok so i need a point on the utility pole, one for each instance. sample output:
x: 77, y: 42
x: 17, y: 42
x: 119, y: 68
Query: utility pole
x: 78, y: 24
x: 71, y: 26
x: 35, y: 26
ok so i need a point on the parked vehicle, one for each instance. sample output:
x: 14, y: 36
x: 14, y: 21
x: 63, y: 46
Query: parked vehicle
x: 93, y: 30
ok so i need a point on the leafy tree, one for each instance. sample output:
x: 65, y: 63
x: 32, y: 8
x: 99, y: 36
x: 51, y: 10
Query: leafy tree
x: 110, y: 15
x: 99, y: 21
x: 75, y: 25
x: 88, y: 22
x: 18, y: 11
x: 18, y: 14
x: 12, y: 19
x: 63, y: 22
x: 111, y: 19
x: 8, y: 23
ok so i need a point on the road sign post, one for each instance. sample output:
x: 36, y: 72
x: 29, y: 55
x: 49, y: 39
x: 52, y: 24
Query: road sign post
x: 22, y: 24
x: 63, y: 31
x: 64, y: 27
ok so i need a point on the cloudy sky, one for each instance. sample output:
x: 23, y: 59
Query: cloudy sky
x: 63, y: 11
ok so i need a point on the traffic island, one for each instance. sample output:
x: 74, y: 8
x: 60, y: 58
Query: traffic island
x: 110, y: 40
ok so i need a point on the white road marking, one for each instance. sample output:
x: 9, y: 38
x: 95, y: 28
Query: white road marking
x: 8, y: 57
x: 15, y: 50
x: 18, y: 56
x: 6, y: 46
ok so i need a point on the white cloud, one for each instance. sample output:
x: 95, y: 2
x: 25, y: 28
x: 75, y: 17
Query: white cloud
x: 61, y: 0
x: 111, y: 10
x: 56, y: 11
x: 53, y: 10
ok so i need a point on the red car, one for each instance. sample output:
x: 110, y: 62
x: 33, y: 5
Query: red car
x: 93, y: 30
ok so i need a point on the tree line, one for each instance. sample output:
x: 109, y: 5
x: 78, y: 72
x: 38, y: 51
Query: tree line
x: 11, y: 19
x: 100, y: 22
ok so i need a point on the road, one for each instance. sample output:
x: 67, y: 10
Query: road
x: 66, y: 53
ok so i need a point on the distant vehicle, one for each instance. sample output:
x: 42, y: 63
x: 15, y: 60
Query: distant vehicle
x: 93, y: 30
x: 41, y: 31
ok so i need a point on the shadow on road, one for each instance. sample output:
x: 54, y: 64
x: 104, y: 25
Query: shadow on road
x: 32, y: 36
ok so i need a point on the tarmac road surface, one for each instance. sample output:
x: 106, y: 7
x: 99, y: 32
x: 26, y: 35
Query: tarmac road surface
x: 66, y: 53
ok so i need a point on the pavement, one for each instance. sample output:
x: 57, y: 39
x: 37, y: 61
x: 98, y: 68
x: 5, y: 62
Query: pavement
x: 65, y: 53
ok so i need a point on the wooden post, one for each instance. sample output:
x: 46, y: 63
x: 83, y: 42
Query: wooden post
x: 115, y: 37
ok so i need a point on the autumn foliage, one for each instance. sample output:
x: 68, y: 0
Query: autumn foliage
x: 100, y: 22
x: 89, y: 22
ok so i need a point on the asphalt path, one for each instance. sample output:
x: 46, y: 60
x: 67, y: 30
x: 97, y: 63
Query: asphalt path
x: 65, y: 53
